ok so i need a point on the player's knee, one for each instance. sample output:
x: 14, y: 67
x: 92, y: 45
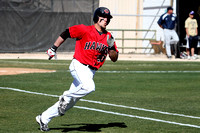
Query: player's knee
x: 63, y: 105
x: 89, y: 87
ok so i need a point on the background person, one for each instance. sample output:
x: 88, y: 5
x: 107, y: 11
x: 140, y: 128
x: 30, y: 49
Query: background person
x: 191, y: 28
x: 167, y: 22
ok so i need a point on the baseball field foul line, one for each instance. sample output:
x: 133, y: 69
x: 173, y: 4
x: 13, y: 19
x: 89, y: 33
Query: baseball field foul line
x: 139, y: 117
x: 148, y: 71
x: 108, y: 112
x: 142, y: 109
x: 109, y: 104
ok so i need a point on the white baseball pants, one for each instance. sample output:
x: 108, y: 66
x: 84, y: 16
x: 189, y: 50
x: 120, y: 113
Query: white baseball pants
x: 82, y: 85
x: 171, y: 37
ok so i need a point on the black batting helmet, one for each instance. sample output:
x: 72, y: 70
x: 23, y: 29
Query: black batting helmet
x: 102, y: 12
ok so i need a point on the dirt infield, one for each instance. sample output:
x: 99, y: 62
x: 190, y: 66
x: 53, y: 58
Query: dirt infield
x: 69, y: 56
x: 15, y: 71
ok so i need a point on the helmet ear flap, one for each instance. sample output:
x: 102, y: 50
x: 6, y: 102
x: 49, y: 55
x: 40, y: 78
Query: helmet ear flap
x: 108, y: 21
x: 95, y: 18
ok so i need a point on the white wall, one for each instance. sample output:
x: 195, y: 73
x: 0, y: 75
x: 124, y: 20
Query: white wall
x: 132, y: 8
x: 122, y: 19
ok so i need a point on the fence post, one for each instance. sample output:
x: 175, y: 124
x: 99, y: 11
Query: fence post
x: 122, y: 41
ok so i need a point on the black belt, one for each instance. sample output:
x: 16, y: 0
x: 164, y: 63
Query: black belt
x: 91, y: 67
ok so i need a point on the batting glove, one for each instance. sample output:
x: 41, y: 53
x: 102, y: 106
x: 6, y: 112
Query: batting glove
x: 51, y: 52
x: 110, y: 40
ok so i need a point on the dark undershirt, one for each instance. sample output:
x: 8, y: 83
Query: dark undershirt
x: 100, y: 33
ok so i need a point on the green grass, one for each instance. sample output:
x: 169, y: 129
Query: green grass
x: 175, y: 92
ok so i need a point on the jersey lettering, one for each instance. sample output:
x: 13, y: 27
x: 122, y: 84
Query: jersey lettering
x: 87, y: 45
x: 93, y: 46
x: 98, y: 46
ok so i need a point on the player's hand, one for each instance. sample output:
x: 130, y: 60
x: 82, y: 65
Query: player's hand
x: 110, y: 40
x: 51, y: 53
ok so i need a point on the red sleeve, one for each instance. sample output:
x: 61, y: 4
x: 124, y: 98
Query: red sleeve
x: 77, y: 31
x: 115, y: 46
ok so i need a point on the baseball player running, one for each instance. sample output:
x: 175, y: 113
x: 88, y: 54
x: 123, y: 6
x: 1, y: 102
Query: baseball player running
x: 167, y: 22
x: 93, y: 43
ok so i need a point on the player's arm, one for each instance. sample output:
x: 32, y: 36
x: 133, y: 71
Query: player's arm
x: 197, y: 31
x: 58, y: 41
x: 196, y: 28
x: 187, y: 33
x: 161, y: 26
x: 113, y: 54
x: 186, y: 28
x: 52, y: 51
x: 160, y: 21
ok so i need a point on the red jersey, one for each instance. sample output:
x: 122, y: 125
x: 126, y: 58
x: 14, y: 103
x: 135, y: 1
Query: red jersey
x: 91, y: 47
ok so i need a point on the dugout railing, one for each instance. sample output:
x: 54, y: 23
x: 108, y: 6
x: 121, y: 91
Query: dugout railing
x: 141, y: 37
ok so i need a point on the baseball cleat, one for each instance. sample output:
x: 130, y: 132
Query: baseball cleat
x: 43, y: 127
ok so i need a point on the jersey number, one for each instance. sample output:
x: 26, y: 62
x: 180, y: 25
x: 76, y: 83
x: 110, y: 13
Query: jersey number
x: 101, y: 58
